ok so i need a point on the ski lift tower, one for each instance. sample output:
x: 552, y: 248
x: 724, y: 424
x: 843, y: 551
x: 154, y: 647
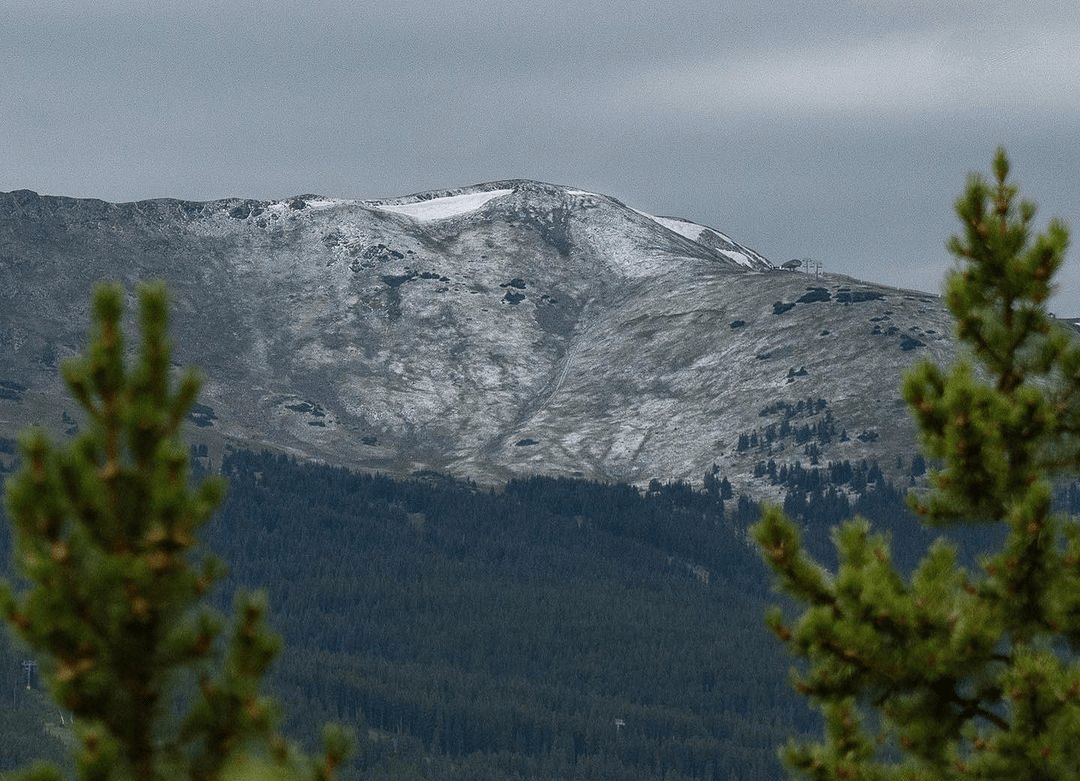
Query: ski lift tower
x: 29, y: 666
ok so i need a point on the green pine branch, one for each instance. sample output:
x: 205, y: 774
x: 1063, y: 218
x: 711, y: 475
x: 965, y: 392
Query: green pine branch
x: 948, y: 673
x: 106, y: 534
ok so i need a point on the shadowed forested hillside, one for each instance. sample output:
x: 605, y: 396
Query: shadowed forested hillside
x: 553, y: 628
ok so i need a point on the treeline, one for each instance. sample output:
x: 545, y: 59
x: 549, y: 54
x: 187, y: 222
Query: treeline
x: 820, y: 497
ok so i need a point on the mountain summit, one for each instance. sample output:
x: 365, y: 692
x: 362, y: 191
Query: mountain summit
x: 500, y: 329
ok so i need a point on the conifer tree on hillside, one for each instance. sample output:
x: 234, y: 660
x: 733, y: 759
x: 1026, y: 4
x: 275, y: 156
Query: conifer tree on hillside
x: 105, y: 532
x: 954, y: 673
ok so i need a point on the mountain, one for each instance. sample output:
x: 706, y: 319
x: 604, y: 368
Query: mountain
x: 554, y: 628
x: 503, y: 329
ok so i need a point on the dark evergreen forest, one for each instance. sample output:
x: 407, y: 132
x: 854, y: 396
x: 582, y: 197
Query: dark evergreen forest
x: 552, y: 628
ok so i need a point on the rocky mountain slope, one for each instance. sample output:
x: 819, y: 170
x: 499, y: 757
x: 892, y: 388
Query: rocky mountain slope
x: 506, y: 328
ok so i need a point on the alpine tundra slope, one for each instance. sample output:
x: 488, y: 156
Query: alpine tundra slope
x: 502, y: 329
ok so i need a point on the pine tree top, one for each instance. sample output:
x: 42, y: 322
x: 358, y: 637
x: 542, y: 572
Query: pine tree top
x: 106, y: 534
x: 951, y: 673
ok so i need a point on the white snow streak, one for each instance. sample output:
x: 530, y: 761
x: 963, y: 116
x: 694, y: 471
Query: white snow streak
x: 695, y: 232
x: 738, y: 257
x: 690, y: 230
x: 442, y: 208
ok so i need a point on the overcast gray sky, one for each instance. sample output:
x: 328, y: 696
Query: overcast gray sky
x: 831, y: 129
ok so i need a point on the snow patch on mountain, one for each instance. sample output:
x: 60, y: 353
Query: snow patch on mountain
x: 690, y: 230
x: 711, y: 238
x: 740, y: 257
x: 744, y: 256
x: 444, y: 207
